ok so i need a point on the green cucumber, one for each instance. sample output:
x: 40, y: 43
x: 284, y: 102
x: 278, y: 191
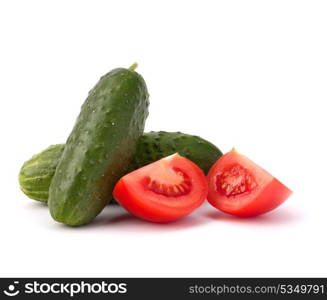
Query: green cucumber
x: 155, y: 145
x: 99, y: 148
x: 36, y: 174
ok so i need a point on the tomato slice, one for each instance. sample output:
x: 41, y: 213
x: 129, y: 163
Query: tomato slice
x: 240, y: 187
x: 163, y: 191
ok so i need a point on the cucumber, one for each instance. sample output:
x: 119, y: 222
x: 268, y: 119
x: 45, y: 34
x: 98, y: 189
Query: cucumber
x: 36, y: 173
x: 154, y: 145
x: 150, y: 147
x: 99, y: 148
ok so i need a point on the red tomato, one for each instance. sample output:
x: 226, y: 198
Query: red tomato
x: 163, y: 191
x: 239, y: 187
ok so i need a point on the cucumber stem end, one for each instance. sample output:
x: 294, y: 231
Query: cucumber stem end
x: 133, y: 67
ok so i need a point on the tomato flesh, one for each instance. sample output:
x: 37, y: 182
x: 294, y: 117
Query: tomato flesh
x: 239, y: 187
x: 177, y: 185
x: 234, y: 181
x: 163, y: 191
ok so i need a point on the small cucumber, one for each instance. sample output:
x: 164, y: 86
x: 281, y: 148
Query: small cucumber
x: 99, y: 148
x: 155, y: 145
x: 36, y: 174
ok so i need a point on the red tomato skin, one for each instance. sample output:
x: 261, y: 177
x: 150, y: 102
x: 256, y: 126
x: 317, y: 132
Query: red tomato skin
x: 270, y: 195
x: 156, y: 213
x: 123, y: 196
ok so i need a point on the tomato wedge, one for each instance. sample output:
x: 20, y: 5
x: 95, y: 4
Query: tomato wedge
x: 240, y: 187
x: 163, y: 191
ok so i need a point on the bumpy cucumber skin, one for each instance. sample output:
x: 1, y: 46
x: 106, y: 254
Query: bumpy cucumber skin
x: 100, y: 147
x: 36, y: 174
x: 155, y: 145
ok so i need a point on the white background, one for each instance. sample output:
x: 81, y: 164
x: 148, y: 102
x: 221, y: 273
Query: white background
x: 249, y: 74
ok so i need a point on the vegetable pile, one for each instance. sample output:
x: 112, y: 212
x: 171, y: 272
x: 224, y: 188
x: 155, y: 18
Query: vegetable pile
x: 156, y: 176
